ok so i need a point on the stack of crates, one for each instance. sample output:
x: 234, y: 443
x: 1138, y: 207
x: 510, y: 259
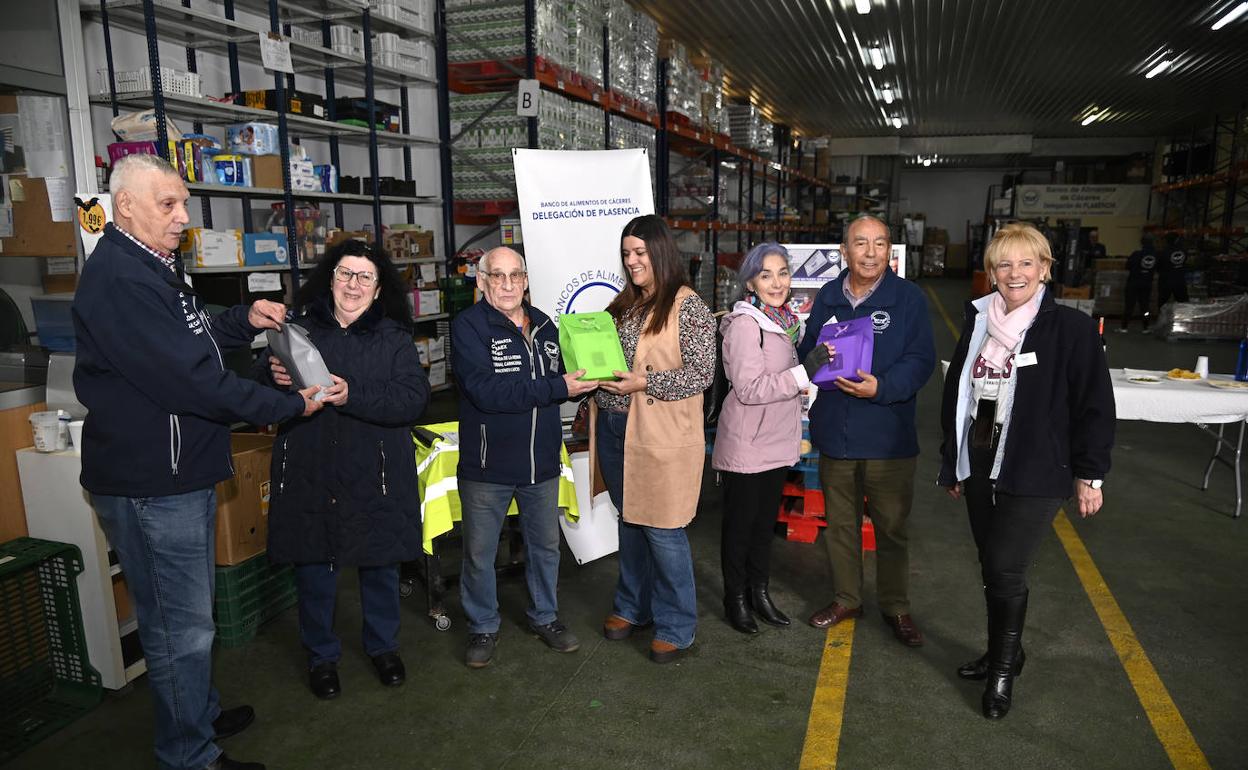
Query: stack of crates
x: 248, y: 595
x: 802, y: 509
x: 46, y: 679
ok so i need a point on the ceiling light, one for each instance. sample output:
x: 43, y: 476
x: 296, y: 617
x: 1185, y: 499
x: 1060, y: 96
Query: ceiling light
x: 1157, y: 69
x: 927, y: 161
x: 896, y: 122
x: 877, y: 54
x: 1231, y: 16
x: 887, y: 93
x: 863, y: 6
x: 1088, y: 120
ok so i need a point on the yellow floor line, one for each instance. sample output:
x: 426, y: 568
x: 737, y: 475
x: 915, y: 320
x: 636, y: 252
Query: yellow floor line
x: 943, y: 313
x: 1163, y: 714
x: 1167, y: 722
x: 827, y: 708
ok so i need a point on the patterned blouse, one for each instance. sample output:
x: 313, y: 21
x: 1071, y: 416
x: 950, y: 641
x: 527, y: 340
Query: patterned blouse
x: 697, y: 352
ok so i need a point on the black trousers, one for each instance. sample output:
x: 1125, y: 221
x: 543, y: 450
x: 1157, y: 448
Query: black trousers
x: 1171, y: 285
x: 1136, y: 295
x: 751, y: 502
x: 1007, y: 528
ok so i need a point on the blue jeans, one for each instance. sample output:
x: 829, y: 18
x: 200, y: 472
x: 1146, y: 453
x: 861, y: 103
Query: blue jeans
x: 484, y: 508
x: 166, y: 546
x: 379, y: 604
x: 656, y: 565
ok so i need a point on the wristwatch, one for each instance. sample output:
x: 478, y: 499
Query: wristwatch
x: 1094, y: 483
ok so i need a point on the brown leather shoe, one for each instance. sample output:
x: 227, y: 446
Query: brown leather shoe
x: 905, y: 630
x: 832, y: 614
x: 616, y: 628
x: 663, y: 652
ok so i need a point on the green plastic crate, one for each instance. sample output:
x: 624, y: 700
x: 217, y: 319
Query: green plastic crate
x: 46, y: 679
x: 248, y: 595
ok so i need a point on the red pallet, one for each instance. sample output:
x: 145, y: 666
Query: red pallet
x: 803, y: 513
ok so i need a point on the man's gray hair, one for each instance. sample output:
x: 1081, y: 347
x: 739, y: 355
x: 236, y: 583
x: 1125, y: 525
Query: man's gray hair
x: 484, y: 265
x: 126, y: 171
x: 866, y: 218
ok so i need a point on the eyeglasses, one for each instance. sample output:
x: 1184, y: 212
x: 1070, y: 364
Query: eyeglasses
x: 363, y: 278
x: 500, y: 278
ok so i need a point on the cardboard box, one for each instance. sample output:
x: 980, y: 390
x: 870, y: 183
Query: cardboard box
x: 1076, y: 292
x: 243, y: 501
x: 264, y: 249
x: 422, y: 349
x: 298, y: 102
x: 338, y: 236
x: 437, y: 348
x: 955, y: 256
x: 437, y: 373
x: 1111, y: 263
x: 121, y: 598
x: 212, y: 248
x: 266, y: 171
x: 426, y: 302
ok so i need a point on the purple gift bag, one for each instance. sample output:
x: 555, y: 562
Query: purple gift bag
x: 854, y: 341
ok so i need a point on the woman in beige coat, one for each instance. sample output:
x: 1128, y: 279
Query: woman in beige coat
x: 648, y: 439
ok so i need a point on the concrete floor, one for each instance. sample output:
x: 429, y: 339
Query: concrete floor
x: 1169, y: 553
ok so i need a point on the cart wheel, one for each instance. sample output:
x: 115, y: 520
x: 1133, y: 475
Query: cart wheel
x: 406, y: 588
x: 442, y: 622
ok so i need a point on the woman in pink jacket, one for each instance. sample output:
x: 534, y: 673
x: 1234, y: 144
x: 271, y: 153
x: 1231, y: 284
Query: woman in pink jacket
x: 760, y: 430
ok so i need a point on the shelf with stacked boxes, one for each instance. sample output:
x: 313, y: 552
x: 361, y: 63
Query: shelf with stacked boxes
x: 274, y: 193
x: 213, y: 112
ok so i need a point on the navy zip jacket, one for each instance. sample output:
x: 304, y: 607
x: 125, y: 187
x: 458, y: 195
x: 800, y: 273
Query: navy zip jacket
x: 844, y: 427
x: 344, y: 480
x: 510, y: 389
x: 149, y: 369
x: 1063, y: 418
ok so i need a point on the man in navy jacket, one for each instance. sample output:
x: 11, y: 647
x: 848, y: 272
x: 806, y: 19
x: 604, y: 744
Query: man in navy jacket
x: 507, y: 364
x: 865, y: 430
x: 156, y: 441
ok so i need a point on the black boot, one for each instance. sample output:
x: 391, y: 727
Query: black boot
x: 977, y: 669
x: 760, y: 601
x: 1005, y: 624
x: 738, y: 613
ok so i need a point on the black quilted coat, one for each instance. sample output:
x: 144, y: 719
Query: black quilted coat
x: 343, y: 485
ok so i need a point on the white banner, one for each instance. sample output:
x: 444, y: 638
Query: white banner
x: 1081, y: 200
x: 573, y: 205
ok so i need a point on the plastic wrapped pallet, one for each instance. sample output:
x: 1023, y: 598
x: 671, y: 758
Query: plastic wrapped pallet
x: 485, y: 170
x: 497, y: 27
x: 1110, y: 291
x: 1222, y: 318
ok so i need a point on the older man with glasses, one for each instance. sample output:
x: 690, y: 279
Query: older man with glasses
x: 507, y: 364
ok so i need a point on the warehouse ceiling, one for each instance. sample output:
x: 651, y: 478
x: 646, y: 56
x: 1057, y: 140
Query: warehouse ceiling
x: 1037, y: 67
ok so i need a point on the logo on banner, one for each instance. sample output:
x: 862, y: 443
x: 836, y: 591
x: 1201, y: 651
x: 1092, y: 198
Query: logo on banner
x: 880, y: 320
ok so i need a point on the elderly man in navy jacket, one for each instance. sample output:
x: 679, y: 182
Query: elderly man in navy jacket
x: 865, y: 430
x: 507, y: 364
x: 149, y: 369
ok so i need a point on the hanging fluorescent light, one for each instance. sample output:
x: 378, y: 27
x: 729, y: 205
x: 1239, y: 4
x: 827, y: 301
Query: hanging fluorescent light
x: 1088, y: 120
x: 896, y: 122
x: 863, y: 6
x: 927, y: 161
x: 887, y: 93
x: 1231, y: 16
x: 1157, y: 69
x: 877, y: 55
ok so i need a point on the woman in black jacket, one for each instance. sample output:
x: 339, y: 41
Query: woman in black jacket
x: 343, y: 490
x: 1027, y: 415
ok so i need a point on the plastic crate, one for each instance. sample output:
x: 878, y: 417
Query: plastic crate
x: 46, y: 679
x: 248, y: 595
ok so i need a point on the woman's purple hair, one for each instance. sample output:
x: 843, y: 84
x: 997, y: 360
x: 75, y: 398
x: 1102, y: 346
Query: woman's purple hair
x: 752, y: 265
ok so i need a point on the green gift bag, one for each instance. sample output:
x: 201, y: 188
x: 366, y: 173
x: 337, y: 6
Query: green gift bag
x: 589, y: 341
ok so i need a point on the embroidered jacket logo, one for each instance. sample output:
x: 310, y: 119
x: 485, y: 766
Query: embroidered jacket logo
x: 880, y: 320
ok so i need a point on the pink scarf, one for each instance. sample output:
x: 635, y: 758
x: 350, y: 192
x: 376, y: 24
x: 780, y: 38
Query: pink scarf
x: 1006, y: 329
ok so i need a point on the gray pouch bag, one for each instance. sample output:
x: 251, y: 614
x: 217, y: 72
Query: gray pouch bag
x: 300, y: 357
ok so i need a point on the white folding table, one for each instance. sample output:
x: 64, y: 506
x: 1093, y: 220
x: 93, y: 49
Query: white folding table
x: 1191, y: 401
